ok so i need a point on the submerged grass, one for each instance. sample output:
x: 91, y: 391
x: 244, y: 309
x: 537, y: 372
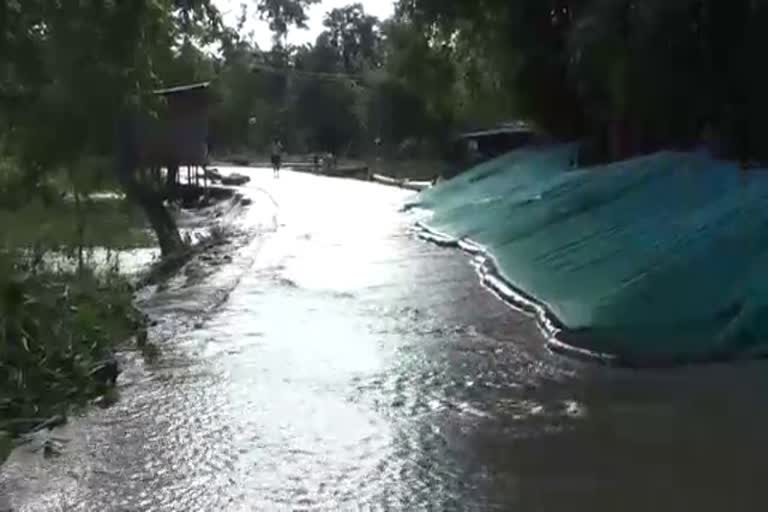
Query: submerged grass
x: 106, y: 222
x: 57, y: 337
x: 59, y: 328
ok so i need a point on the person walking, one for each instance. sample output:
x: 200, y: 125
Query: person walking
x: 277, y: 157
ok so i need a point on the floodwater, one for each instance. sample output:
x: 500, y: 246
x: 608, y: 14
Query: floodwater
x: 329, y: 360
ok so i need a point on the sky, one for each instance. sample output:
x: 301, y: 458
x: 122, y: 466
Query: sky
x: 231, y: 10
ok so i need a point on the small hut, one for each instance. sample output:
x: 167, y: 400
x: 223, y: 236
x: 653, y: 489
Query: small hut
x: 178, y: 137
x: 474, y: 147
x: 501, y: 139
x: 186, y: 123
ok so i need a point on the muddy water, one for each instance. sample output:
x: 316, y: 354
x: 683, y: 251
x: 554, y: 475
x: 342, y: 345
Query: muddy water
x: 330, y: 361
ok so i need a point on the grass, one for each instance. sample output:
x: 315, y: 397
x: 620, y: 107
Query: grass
x: 6, y: 445
x: 55, y: 330
x: 58, y: 328
x: 111, y: 223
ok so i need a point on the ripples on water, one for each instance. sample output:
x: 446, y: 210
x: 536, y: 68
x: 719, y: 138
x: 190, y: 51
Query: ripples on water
x: 351, y: 367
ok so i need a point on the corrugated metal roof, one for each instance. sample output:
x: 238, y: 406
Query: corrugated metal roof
x: 504, y: 128
x: 182, y: 88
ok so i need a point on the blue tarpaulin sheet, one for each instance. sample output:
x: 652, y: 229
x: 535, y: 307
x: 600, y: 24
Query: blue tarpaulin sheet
x: 658, y: 258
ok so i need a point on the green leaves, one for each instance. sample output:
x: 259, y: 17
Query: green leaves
x: 52, y: 338
x: 659, y: 68
x: 283, y: 13
x: 354, y: 36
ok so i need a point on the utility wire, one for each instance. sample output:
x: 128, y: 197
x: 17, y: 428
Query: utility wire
x: 356, y: 79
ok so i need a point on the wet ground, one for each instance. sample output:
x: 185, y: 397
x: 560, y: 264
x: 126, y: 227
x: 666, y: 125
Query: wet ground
x: 329, y: 360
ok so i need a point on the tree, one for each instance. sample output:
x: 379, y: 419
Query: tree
x: 354, y: 36
x: 648, y: 74
x: 75, y: 68
x: 281, y: 14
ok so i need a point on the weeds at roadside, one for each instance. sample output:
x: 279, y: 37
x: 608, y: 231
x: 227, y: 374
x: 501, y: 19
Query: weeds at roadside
x: 61, y: 325
x: 58, y: 333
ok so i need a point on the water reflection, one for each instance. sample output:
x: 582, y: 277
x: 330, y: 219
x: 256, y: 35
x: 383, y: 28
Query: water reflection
x: 338, y: 364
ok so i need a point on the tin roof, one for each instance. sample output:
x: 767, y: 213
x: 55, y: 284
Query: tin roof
x: 182, y: 89
x: 504, y: 128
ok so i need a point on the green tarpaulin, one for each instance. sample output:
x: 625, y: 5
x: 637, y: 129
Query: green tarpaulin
x: 658, y: 258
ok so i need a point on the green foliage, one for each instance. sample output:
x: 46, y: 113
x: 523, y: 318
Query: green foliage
x: 419, y: 87
x: 283, y: 13
x: 354, y: 36
x: 326, y: 113
x: 651, y: 73
x: 251, y: 105
x: 110, y: 223
x: 74, y: 67
x: 6, y: 445
x: 54, y: 330
x: 361, y: 81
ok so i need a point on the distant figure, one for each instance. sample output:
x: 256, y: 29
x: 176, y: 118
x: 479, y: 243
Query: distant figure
x: 277, y: 157
x: 329, y: 162
x: 316, y: 163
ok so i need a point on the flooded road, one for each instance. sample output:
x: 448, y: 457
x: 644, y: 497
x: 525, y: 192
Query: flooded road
x: 335, y: 362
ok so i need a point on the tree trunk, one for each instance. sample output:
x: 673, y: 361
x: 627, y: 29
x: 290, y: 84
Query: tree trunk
x: 171, y: 179
x: 80, y: 221
x: 162, y: 223
x: 149, y: 200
